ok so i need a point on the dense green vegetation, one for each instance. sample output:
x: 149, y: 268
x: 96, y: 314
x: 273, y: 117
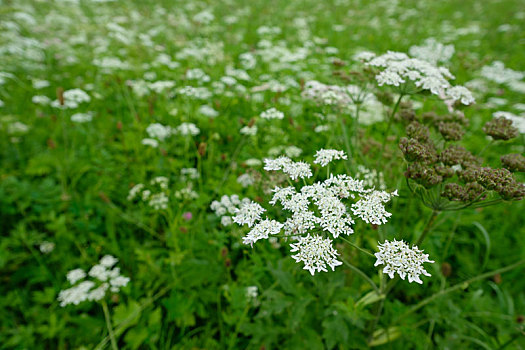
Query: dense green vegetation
x: 97, y: 97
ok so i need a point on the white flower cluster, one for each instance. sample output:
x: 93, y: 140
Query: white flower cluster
x: 325, y: 156
x: 319, y: 207
x: 158, y: 199
x: 398, y: 68
x: 399, y: 258
x: 226, y: 207
x: 272, y: 113
x: 371, y: 177
x: 158, y: 132
x: 432, y: 51
x: 315, y: 252
x: 71, y: 99
x: 326, y: 94
x: 105, y: 276
x: 294, y: 169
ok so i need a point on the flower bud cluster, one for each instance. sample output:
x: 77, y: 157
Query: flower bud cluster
x: 500, y: 129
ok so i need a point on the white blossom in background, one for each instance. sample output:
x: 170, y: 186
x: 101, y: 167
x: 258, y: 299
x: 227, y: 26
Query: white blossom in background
x: 155, y: 194
x: 158, y: 131
x: 371, y: 177
x: 189, y: 173
x: 399, y: 258
x: 150, y: 142
x: 272, y: 113
x: 397, y: 68
x: 245, y: 180
x: 104, y: 277
x: 226, y: 207
x: 208, y: 111
x: 432, y: 51
x: 72, y: 99
x: 41, y: 100
x: 186, y: 129
x: 47, y: 247
x: 249, y: 130
x: 325, y: 156
x: 316, y: 253
x: 82, y: 117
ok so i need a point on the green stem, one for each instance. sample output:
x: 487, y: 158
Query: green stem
x: 233, y: 338
x: 389, y: 125
x: 108, y: 324
x: 346, y: 140
x: 362, y: 274
x: 357, y: 247
x: 459, y: 286
x: 428, y: 226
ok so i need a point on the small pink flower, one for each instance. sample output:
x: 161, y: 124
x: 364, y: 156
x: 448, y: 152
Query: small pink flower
x: 187, y: 215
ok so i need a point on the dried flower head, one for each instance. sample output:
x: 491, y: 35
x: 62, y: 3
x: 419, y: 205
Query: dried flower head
x: 513, y: 162
x: 500, y: 129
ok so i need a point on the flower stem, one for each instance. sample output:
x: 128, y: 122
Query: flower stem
x: 346, y: 140
x: 362, y: 274
x: 357, y: 247
x: 108, y: 324
x: 389, y: 125
x: 428, y: 226
x: 459, y: 286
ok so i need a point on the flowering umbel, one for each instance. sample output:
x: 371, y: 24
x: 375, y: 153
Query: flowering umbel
x: 316, y: 212
x: 399, y: 258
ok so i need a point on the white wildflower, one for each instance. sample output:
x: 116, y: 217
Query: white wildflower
x: 399, y: 258
x: 262, y: 230
x: 316, y: 253
x: 272, y: 113
x: 370, y: 208
x: 75, y: 275
x: 325, y: 156
x: 248, y: 213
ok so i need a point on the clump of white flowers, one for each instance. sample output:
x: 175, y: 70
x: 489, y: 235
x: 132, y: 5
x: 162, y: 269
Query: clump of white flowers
x: 104, y: 276
x: 315, y: 252
x: 317, y: 211
x: 399, y: 258
x: 325, y: 156
x: 155, y: 195
x: 272, y: 113
x: 71, y: 99
x: 226, y: 207
x: 398, y: 69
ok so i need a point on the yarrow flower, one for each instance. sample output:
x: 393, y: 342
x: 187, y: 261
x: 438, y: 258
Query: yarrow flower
x: 399, y: 258
x: 316, y: 253
x: 325, y: 156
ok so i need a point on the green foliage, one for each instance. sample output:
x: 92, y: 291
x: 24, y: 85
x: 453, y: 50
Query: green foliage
x: 67, y: 183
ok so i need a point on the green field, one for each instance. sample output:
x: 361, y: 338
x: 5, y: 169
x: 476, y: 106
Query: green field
x: 340, y: 174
